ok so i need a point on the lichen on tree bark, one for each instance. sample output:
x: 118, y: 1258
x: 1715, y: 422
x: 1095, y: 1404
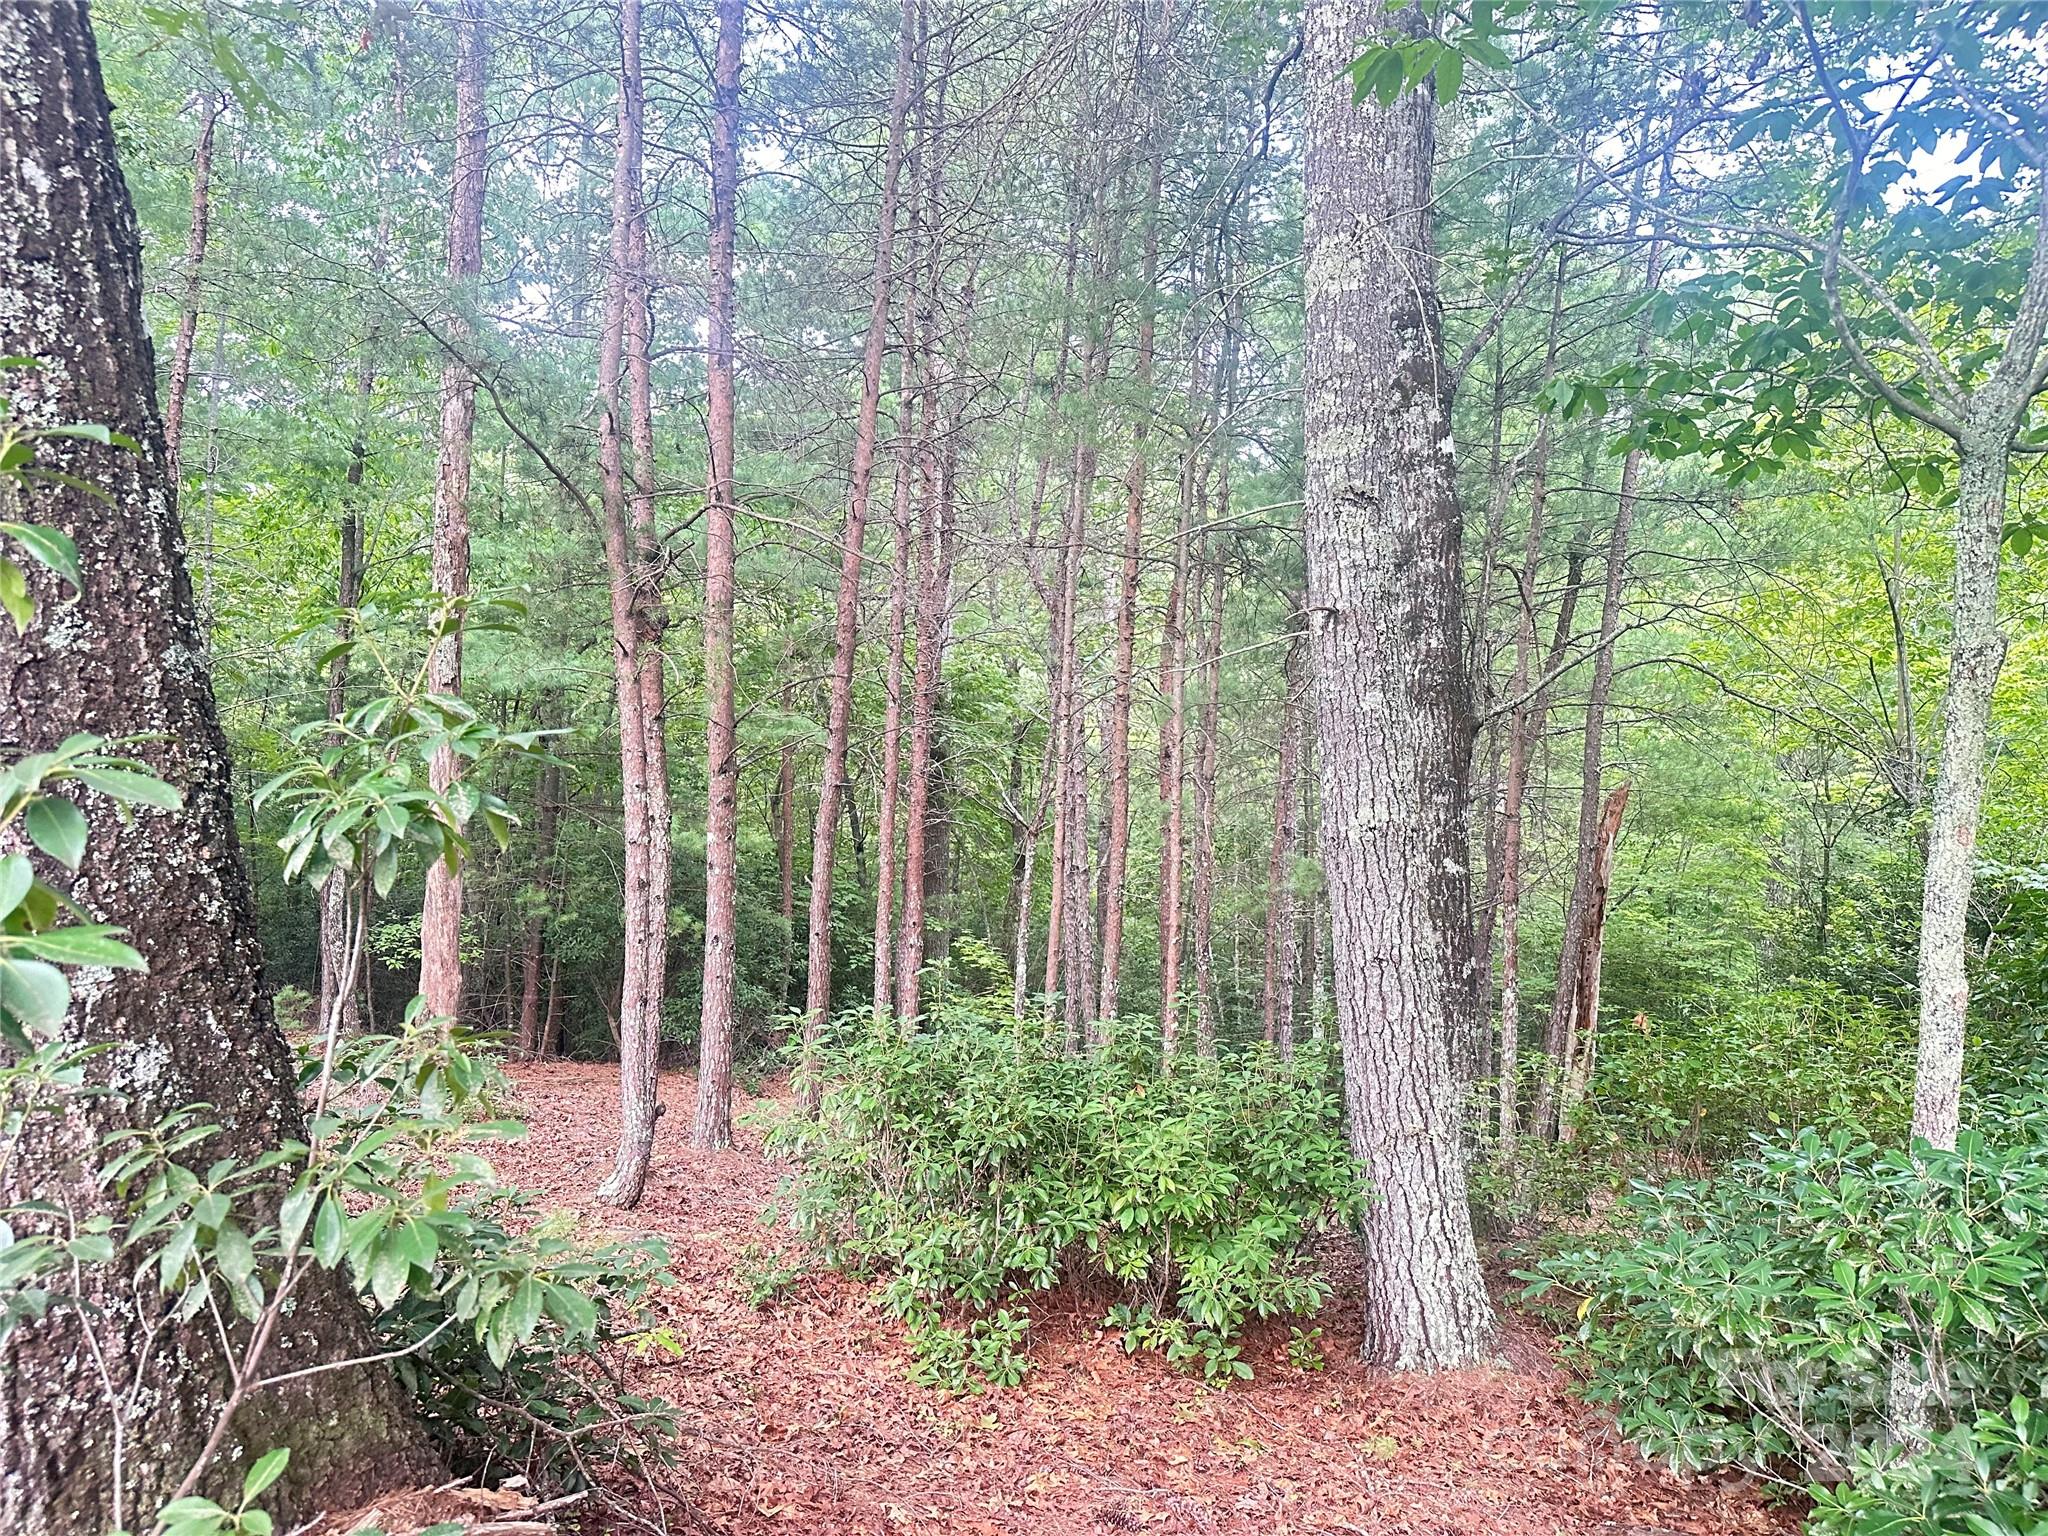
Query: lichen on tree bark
x: 1383, y: 529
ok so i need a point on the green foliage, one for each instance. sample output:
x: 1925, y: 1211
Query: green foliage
x: 978, y: 1168
x: 20, y: 473
x: 1798, y: 1054
x: 35, y: 938
x: 766, y: 1275
x: 1983, y: 1478
x: 1763, y: 1318
x: 359, y: 791
x: 1305, y: 1349
x: 496, y: 1310
x: 196, y: 1516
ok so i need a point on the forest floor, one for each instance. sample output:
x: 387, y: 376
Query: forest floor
x: 800, y: 1418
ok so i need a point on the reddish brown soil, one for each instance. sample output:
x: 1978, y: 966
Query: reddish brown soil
x: 800, y: 1418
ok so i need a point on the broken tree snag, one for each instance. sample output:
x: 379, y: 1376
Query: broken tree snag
x: 1585, y: 1010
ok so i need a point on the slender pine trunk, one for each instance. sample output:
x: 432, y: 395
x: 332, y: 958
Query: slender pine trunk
x: 441, y: 911
x: 712, y: 1128
x: 832, y: 785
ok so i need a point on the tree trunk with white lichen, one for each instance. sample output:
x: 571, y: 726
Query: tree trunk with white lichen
x: 126, y: 659
x: 1383, y: 529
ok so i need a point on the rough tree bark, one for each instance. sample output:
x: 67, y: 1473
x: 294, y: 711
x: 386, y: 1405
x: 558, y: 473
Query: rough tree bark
x: 198, y: 1027
x: 441, y: 911
x: 1385, y: 589
x: 846, y: 613
x: 713, y: 1126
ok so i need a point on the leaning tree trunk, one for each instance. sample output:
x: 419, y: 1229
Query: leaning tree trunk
x: 441, y: 911
x: 713, y: 1126
x: 198, y: 1027
x: 1583, y: 1041
x: 1385, y: 589
x: 195, y: 270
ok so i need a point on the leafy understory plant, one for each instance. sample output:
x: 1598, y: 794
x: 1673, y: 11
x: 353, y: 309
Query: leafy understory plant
x: 42, y: 931
x: 493, y: 1316
x: 976, y: 1169
x: 1758, y: 1320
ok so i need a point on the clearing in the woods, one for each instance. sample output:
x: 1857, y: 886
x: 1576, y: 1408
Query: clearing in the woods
x: 800, y: 1417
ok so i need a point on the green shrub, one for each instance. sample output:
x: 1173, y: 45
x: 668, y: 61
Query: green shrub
x: 1709, y: 1077
x: 1984, y: 1478
x: 1767, y: 1318
x: 976, y: 1167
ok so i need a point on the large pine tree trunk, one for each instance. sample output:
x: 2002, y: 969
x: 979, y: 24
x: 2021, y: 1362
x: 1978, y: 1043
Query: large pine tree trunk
x: 441, y: 912
x: 1385, y: 590
x: 713, y: 1125
x: 198, y: 1027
